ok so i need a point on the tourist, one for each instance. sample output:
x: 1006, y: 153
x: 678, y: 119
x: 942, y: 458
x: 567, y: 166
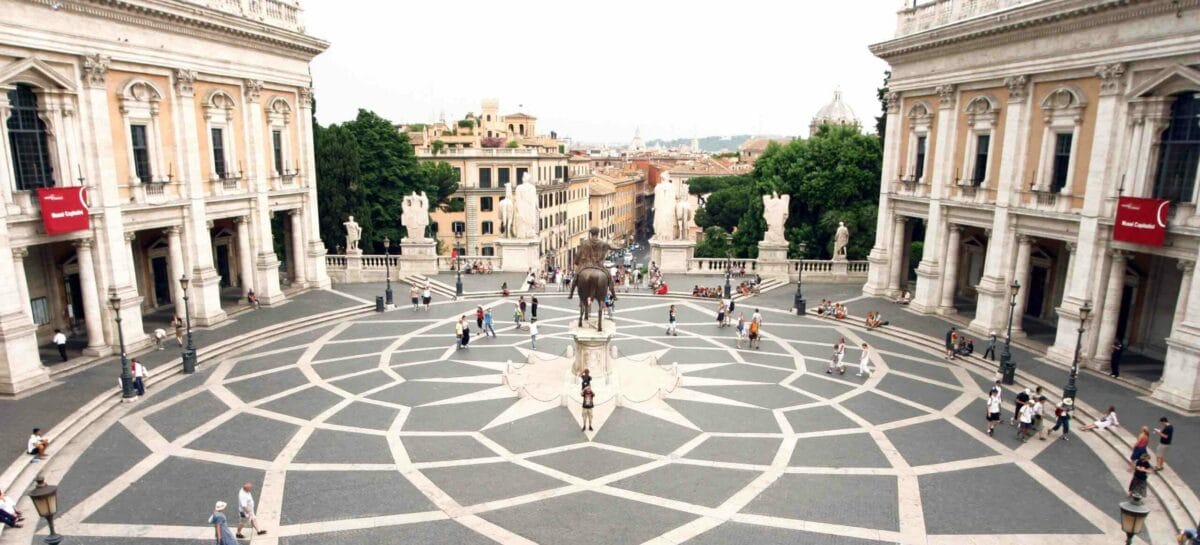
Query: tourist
x: 864, y: 361
x: 426, y: 296
x: 754, y: 334
x: 1117, y: 349
x: 414, y: 293
x: 517, y: 316
x: 589, y: 401
x: 9, y: 515
x: 160, y: 336
x: 466, y: 331
x: 585, y: 379
x: 757, y: 318
x: 951, y: 342
x: 1141, y: 446
x: 990, y: 352
x: 504, y: 289
x: 1023, y: 397
x: 533, y: 331
x: 1189, y: 536
x: 1141, y: 472
x: 1166, y: 433
x: 740, y: 331
x: 671, y: 322
x: 533, y: 304
x: 246, y: 511
x: 609, y: 304
x: 870, y: 320
x: 1025, y: 419
x: 1062, y: 417
x: 60, y: 342
x: 458, y: 333
x: 721, y: 314
x: 487, y: 322
x: 523, y: 306
x: 37, y: 445
x: 252, y: 299
x: 1109, y: 420
x: 1039, y: 410
x: 140, y: 373
x: 993, y: 411
x: 821, y: 308
x: 224, y: 534
x: 839, y: 356
x: 840, y: 312
x: 180, y: 329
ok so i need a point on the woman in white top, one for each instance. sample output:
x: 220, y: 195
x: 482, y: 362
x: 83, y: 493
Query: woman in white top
x: 993, y: 410
x: 1109, y: 420
x: 864, y: 362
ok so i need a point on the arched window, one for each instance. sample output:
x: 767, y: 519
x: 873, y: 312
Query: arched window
x: 27, y: 138
x: 1179, y: 151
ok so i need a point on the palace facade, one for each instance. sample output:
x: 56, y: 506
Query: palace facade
x: 187, y: 127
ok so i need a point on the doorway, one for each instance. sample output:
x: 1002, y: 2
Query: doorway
x: 223, y: 264
x: 1037, y: 292
x: 162, y: 280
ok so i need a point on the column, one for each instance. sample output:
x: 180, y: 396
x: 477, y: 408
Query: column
x: 245, y: 258
x: 318, y: 277
x: 298, y: 249
x: 898, y: 252
x: 18, y: 340
x: 1021, y: 275
x: 950, y: 277
x: 1180, y: 382
x: 266, y: 263
x: 175, y: 266
x: 1185, y: 284
x: 19, y: 255
x: 93, y: 320
x: 882, y: 265
x: 1111, y: 312
x: 927, y: 296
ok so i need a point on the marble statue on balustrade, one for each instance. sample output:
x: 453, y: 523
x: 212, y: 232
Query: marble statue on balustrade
x: 353, y: 234
x: 526, y: 217
x: 775, y: 212
x: 664, y: 208
x: 506, y: 212
x: 684, y: 214
x: 414, y: 215
x: 840, y: 240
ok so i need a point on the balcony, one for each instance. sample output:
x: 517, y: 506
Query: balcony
x: 937, y: 13
x: 151, y: 192
x: 284, y: 14
x: 285, y: 179
x: 910, y: 186
x: 229, y: 183
x: 482, y: 152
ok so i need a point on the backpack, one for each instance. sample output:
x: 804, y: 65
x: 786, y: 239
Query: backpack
x: 754, y: 327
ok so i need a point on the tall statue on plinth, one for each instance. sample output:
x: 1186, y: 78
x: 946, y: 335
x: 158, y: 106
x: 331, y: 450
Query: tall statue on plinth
x: 591, y: 278
x: 840, y: 240
x: 353, y: 234
x: 664, y: 208
x: 526, y: 220
x: 414, y: 215
x: 507, y: 211
x: 775, y: 212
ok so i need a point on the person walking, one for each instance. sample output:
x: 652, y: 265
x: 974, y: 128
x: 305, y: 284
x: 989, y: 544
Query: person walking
x: 1039, y: 410
x: 516, y: 317
x: 993, y: 411
x: 246, y: 511
x: 180, y: 330
x: 740, y: 331
x: 990, y: 352
x: 864, y: 361
x: 521, y: 303
x: 221, y: 526
x: 414, y: 295
x: 1141, y: 472
x: 479, y: 318
x: 1166, y: 434
x: 589, y: 401
x: 1062, y: 417
x: 426, y: 297
x: 754, y: 334
x: 487, y: 323
x: 757, y: 318
x: 1023, y: 398
x: 533, y: 304
x: 951, y: 342
x: 671, y: 322
x: 458, y: 334
x: 1025, y: 419
x: 466, y: 332
x: 60, y: 342
x: 533, y: 331
x: 140, y: 373
x: 1141, y: 446
x: 721, y: 314
x: 1118, y: 348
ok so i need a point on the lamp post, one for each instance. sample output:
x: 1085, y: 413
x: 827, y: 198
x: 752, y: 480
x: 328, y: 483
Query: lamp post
x: 189, y: 351
x: 126, y: 377
x: 387, y: 270
x: 1133, y: 517
x: 728, y: 273
x: 1008, y: 369
x: 798, y: 301
x: 1070, y: 390
x: 45, y: 500
x: 458, y: 288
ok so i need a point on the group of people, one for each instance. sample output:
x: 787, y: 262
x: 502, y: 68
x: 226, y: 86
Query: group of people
x: 829, y: 309
x: 875, y: 320
x: 473, y: 267
x: 749, y: 287
x: 246, y: 517
x: 958, y: 344
x: 750, y: 331
x: 420, y: 297
x: 838, y: 361
x: 706, y: 292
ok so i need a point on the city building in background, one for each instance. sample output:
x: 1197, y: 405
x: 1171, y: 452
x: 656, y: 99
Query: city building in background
x: 144, y: 141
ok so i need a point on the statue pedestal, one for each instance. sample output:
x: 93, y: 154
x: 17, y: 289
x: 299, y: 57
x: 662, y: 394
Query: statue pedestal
x: 672, y: 256
x: 592, y: 348
x: 772, y: 260
x: 418, y: 256
x: 841, y: 267
x: 518, y: 255
x: 354, y: 270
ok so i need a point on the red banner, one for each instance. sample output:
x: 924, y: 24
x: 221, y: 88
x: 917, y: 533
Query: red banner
x: 1141, y: 221
x: 64, y: 209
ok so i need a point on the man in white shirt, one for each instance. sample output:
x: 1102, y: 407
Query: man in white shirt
x: 246, y: 511
x: 140, y: 373
x: 60, y: 341
x: 1026, y: 421
x: 37, y: 444
x: 533, y: 331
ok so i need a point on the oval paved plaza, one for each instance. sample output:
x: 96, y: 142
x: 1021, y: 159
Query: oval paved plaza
x: 379, y: 431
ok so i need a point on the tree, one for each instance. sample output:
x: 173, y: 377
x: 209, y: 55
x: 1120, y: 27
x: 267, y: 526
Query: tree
x: 715, y: 243
x: 337, y: 177
x: 438, y: 180
x: 881, y: 120
x: 438, y: 146
x: 512, y: 144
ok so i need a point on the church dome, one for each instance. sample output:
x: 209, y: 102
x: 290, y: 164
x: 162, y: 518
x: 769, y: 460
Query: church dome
x: 835, y: 113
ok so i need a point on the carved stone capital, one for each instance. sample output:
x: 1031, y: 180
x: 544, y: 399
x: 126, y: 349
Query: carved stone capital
x: 95, y: 69
x: 20, y: 253
x: 184, y: 80
x: 1025, y: 240
x: 172, y: 231
x: 1071, y: 246
x: 241, y: 219
x: 130, y: 236
x: 83, y: 243
x: 893, y: 102
x: 1118, y: 254
x: 306, y: 97
x: 1017, y: 86
x: 945, y: 95
x: 253, y: 90
x: 901, y: 220
x: 1185, y: 265
x: 1112, y: 78
x: 294, y: 212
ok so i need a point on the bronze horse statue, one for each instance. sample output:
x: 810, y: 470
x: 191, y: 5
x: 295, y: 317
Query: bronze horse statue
x: 592, y: 284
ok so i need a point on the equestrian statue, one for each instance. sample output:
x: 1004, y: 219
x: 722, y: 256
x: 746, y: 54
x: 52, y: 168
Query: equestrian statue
x: 591, y: 278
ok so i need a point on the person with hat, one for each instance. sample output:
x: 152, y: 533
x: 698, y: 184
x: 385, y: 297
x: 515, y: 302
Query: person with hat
x: 221, y: 526
x: 1062, y: 417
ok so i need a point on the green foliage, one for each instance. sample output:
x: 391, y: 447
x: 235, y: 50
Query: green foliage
x: 466, y: 123
x: 456, y: 205
x: 726, y: 155
x: 715, y: 243
x: 338, y: 169
x: 881, y: 120
x: 915, y: 251
x: 437, y: 180
x: 512, y: 144
x: 438, y: 146
x: 709, y: 184
x: 725, y: 207
x: 416, y: 127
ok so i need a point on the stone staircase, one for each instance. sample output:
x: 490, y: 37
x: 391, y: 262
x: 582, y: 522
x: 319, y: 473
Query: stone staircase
x: 437, y: 287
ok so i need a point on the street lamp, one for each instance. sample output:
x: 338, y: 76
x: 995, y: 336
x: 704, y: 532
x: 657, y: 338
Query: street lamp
x: 1133, y: 517
x: 458, y: 288
x: 126, y: 376
x: 189, y: 352
x: 387, y: 270
x: 1008, y: 369
x: 728, y: 273
x: 45, y: 500
x: 1070, y: 390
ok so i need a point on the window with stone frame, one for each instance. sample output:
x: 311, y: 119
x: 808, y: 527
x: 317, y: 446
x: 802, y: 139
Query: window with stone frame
x: 139, y: 110
x: 1062, y: 115
x: 485, y: 177
x: 141, y: 153
x: 219, y: 116
x: 28, y: 141
x: 981, y: 115
x: 220, y: 168
x: 279, y: 123
x: 486, y: 228
x: 1061, y: 168
x: 1179, y: 151
x: 920, y: 120
x: 485, y: 204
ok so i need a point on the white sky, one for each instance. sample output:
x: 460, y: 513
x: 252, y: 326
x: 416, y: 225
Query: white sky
x: 596, y: 70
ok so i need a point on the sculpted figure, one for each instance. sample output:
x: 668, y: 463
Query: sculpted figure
x: 415, y: 215
x: 775, y: 212
x: 353, y: 233
x: 507, y: 209
x: 526, y: 214
x: 591, y: 278
x: 840, y: 240
x: 664, y: 208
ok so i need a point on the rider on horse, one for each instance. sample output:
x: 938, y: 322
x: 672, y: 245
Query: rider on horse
x: 590, y: 255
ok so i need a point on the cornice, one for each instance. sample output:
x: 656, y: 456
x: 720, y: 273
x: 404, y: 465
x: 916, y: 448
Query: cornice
x: 174, y: 17
x: 1047, y: 18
